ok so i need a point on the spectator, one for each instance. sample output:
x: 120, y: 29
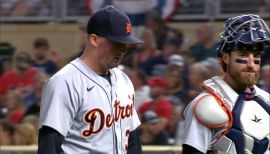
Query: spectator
x: 21, y: 78
x: 156, y: 66
x: 6, y: 54
x: 56, y: 57
x: 146, y: 50
x: 32, y: 100
x: 177, y: 90
x: 179, y: 132
x: 6, y: 7
x: 213, y: 66
x: 198, y: 73
x: 142, y: 90
x: 25, y: 134
x: 41, y: 60
x: 158, y: 26
x: 3, y: 110
x: 33, y: 120
x: 174, y: 122
x: 176, y: 77
x: 25, y: 7
x: 14, y: 105
x: 150, y: 133
x: 185, y: 43
x: 266, y: 55
x: 265, y: 78
x: 159, y: 104
x: 6, y: 132
x: 206, y: 45
x: 175, y: 33
x: 171, y: 47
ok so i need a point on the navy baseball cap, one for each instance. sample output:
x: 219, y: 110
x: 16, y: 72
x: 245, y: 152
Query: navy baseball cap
x: 112, y: 24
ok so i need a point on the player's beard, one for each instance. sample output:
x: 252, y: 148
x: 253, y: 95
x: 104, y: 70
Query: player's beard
x: 242, y: 79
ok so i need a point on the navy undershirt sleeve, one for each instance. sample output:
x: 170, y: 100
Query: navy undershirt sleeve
x: 134, y: 142
x: 187, y: 149
x: 49, y: 141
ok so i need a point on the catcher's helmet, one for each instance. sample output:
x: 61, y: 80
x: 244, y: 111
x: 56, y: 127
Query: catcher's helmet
x: 245, y: 32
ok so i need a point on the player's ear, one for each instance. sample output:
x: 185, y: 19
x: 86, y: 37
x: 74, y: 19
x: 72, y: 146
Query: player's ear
x: 92, y: 39
x: 225, y: 57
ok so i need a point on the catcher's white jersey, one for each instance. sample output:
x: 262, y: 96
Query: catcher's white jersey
x: 250, y: 131
x: 93, y: 115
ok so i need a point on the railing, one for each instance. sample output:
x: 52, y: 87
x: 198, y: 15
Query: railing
x: 70, y: 10
x: 146, y: 149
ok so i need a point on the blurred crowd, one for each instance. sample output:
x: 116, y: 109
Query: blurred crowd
x: 166, y: 71
x: 15, y: 8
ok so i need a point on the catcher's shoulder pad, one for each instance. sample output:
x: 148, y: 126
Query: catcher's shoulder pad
x: 210, y: 113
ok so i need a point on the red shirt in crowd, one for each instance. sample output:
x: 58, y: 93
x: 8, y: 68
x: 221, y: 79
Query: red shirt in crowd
x: 15, y: 117
x: 11, y: 79
x: 163, y: 108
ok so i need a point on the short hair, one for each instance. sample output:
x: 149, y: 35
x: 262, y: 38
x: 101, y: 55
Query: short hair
x: 27, y: 133
x: 204, y: 70
x: 41, y: 42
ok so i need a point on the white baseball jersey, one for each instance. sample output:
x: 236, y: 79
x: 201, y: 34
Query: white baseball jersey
x: 93, y: 115
x: 250, y: 131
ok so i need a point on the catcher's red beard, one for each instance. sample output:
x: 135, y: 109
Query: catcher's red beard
x: 247, y: 77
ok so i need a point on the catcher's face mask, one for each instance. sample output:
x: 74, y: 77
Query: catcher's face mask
x: 246, y: 32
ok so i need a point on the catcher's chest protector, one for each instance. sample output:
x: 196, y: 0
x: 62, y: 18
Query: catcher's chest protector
x: 241, y: 122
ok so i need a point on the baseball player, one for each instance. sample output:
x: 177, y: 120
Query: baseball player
x: 88, y: 106
x: 232, y: 115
